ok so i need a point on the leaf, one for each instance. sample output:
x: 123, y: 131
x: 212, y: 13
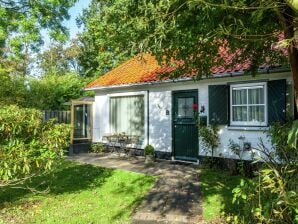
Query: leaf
x: 293, y: 135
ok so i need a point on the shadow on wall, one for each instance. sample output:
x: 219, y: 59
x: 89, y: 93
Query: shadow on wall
x: 239, y: 136
x: 160, y: 127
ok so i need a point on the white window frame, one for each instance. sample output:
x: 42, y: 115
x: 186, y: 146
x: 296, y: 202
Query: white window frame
x: 249, y: 86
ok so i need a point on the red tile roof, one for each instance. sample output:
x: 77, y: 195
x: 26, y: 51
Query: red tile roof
x: 145, y: 68
x: 139, y: 69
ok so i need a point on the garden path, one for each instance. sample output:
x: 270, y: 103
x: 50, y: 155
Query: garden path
x: 175, y: 197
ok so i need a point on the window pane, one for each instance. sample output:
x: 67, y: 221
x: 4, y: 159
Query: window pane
x: 78, y: 121
x: 185, y: 107
x: 256, y: 96
x: 239, y: 96
x: 127, y: 115
x: 239, y: 113
x: 256, y: 113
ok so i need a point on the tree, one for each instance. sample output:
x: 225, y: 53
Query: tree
x: 52, y: 91
x: 59, y: 59
x: 99, y: 51
x: 12, y: 90
x: 192, y: 31
x: 21, y: 23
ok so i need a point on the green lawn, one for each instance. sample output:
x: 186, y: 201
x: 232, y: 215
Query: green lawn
x: 78, y: 194
x: 217, y: 194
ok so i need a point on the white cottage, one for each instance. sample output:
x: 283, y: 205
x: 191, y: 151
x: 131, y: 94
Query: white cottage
x: 132, y: 99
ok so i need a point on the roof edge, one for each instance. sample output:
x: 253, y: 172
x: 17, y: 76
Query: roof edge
x: 214, y: 76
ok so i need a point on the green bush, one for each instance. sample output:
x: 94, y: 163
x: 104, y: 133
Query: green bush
x: 271, y: 197
x: 98, y: 147
x: 149, y: 150
x: 28, y: 147
x: 209, y: 137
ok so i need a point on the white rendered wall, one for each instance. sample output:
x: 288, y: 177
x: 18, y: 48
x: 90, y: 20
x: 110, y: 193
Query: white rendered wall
x: 160, y: 124
x: 101, y: 117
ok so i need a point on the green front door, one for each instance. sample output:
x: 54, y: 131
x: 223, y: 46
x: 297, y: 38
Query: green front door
x: 185, y: 130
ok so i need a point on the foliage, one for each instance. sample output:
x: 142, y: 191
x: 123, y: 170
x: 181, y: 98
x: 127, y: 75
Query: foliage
x: 181, y: 29
x: 47, y: 93
x: 94, y: 194
x: 272, y: 197
x: 60, y: 60
x: 279, y: 134
x: 98, y: 147
x: 20, y: 26
x: 51, y: 91
x: 28, y: 147
x: 100, y: 51
x: 209, y: 137
x: 149, y: 150
x: 13, y: 90
x: 235, y: 148
x: 293, y: 135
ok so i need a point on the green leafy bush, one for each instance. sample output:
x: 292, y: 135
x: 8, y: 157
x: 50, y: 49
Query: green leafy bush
x: 209, y: 137
x: 28, y: 147
x: 149, y: 150
x: 271, y: 197
x: 98, y: 147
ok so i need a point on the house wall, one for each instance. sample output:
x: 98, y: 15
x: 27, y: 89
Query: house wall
x: 160, y: 122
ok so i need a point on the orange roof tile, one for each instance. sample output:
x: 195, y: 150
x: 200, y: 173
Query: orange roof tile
x: 143, y: 68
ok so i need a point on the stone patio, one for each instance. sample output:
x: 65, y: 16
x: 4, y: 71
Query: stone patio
x: 175, y: 198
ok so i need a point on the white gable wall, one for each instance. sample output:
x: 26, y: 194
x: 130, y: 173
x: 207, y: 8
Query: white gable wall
x: 160, y: 124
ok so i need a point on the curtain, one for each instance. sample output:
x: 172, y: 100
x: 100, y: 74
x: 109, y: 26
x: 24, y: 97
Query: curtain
x: 256, y: 98
x: 127, y: 115
x: 239, y: 98
x: 248, y: 104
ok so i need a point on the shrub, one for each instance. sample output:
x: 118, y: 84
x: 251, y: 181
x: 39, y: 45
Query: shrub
x: 149, y: 150
x: 98, y: 147
x: 209, y: 137
x: 28, y: 147
x: 271, y: 197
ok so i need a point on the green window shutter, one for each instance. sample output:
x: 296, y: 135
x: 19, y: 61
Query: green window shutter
x: 218, y: 104
x: 277, y: 101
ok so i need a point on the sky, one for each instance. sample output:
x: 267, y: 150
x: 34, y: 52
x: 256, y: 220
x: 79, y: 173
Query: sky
x: 74, y: 12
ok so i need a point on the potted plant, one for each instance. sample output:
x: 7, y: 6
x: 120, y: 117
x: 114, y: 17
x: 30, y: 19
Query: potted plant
x: 149, y: 153
x: 98, y: 148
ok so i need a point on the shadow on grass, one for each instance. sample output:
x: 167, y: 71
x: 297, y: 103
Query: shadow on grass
x: 133, y: 188
x: 69, y: 177
x: 217, y: 186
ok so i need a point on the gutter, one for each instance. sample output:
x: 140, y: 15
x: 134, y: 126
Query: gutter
x: 216, y: 76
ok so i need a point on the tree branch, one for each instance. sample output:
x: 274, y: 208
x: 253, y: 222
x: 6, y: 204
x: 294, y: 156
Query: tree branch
x: 224, y: 6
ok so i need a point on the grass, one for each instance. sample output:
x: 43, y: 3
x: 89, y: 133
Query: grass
x: 217, y: 194
x: 78, y: 194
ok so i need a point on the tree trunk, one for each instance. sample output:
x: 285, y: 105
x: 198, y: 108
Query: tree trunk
x: 293, y: 59
x: 291, y: 32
